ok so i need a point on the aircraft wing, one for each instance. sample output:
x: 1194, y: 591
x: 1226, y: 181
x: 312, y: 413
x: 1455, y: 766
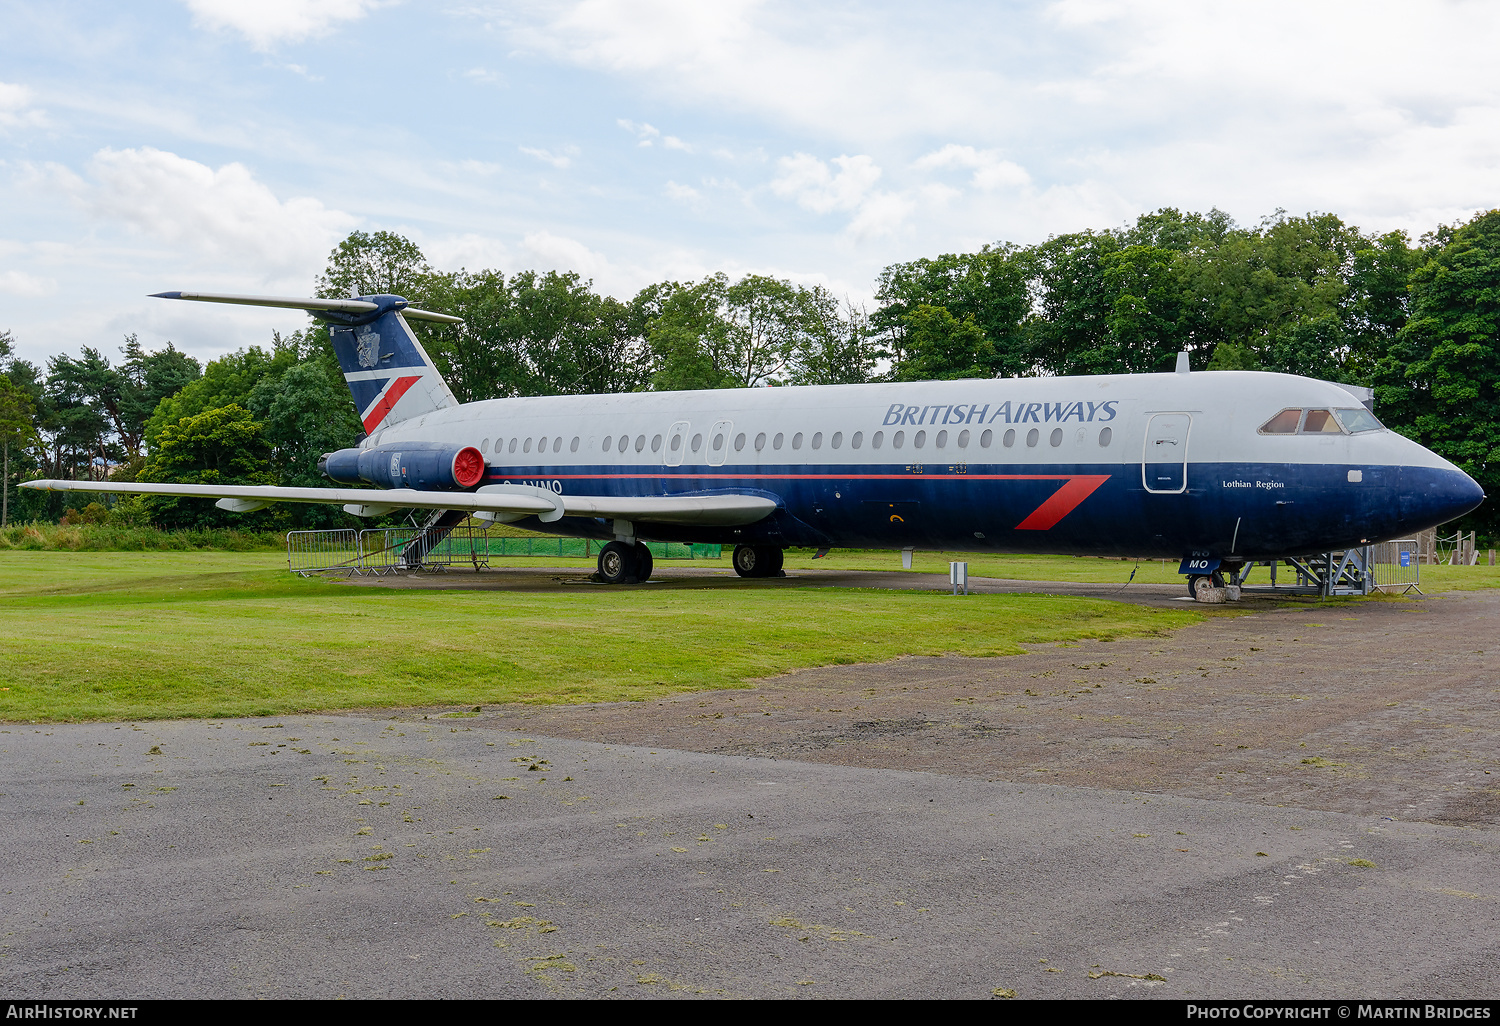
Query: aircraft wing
x: 504, y: 500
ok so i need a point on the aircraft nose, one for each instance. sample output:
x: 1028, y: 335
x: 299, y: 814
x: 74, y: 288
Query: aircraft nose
x: 1430, y: 496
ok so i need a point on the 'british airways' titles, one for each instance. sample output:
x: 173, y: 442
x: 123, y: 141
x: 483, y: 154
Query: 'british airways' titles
x: 1019, y: 413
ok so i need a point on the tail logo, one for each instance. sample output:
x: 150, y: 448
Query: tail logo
x: 367, y: 348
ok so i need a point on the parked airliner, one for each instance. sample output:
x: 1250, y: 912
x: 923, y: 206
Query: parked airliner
x: 1227, y: 467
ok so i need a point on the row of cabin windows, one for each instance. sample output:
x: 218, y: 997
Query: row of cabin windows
x: 835, y: 441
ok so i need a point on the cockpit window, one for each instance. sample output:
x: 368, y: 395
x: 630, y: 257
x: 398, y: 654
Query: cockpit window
x: 1284, y: 423
x: 1321, y: 422
x: 1358, y: 419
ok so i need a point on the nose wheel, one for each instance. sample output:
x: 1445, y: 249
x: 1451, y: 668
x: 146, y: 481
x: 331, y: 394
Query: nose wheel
x: 1205, y: 587
x: 620, y: 563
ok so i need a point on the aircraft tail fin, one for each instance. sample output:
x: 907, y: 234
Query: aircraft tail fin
x: 388, y: 372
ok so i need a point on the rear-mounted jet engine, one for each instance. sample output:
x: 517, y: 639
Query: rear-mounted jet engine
x: 424, y: 466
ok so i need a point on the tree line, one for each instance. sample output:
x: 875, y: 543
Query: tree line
x: 1416, y: 320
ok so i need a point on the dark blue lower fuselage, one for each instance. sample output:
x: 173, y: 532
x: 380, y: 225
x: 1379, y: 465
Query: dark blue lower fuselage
x: 1240, y: 511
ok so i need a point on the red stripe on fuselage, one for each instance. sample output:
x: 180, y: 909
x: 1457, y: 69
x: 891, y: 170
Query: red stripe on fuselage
x: 387, y: 402
x: 1063, y: 501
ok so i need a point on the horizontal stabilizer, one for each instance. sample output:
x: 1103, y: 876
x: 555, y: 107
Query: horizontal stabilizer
x: 701, y: 510
x: 343, y: 306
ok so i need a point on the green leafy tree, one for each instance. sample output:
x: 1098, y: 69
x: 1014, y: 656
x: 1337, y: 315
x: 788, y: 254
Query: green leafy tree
x: 1440, y: 381
x: 990, y: 288
x: 376, y: 263
x: 939, y: 346
x: 227, y: 381
x: 222, y: 445
x: 535, y: 334
x: 17, y: 433
x: 1071, y: 320
x: 302, y: 414
x: 834, y: 345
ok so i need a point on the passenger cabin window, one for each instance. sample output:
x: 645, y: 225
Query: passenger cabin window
x: 837, y: 439
x: 986, y: 438
x: 876, y: 439
x: 739, y: 441
x: 760, y: 441
x: 963, y: 439
x: 1010, y: 438
x: 697, y: 442
x: 608, y: 441
x: 857, y: 440
x: 573, y: 446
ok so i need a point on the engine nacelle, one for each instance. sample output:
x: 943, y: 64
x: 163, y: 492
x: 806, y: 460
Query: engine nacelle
x: 424, y: 466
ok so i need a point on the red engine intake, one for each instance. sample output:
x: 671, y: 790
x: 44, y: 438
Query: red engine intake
x: 468, y: 467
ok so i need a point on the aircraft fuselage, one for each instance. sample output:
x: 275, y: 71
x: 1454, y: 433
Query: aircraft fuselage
x: 1153, y: 465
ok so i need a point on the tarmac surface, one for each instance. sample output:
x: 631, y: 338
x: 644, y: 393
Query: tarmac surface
x: 1288, y: 802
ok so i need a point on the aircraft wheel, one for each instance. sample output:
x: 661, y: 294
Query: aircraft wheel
x: 617, y: 563
x: 747, y: 561
x: 771, y: 559
x: 1207, y: 589
x: 643, y: 562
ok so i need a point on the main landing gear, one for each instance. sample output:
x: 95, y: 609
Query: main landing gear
x: 622, y: 563
x: 758, y: 561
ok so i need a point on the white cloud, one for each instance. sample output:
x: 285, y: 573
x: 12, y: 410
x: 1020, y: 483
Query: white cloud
x: 815, y: 187
x: 19, y: 283
x: 268, y: 22
x: 561, y: 161
x: 683, y: 193
x: 990, y: 170
x: 225, y: 214
x: 483, y: 76
x: 15, y: 107
x: 646, y: 134
x: 471, y: 251
x: 558, y: 252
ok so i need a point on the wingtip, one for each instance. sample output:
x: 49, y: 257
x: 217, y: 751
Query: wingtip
x: 165, y: 295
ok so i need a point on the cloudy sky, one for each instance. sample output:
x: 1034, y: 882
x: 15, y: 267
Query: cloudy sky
x: 227, y: 145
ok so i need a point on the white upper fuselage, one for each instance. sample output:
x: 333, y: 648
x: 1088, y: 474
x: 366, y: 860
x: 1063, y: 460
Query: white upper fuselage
x: 1227, y: 409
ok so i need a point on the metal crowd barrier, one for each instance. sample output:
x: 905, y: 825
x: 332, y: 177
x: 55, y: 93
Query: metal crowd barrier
x: 1397, y: 566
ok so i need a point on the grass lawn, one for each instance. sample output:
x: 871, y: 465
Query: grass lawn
x: 138, y: 635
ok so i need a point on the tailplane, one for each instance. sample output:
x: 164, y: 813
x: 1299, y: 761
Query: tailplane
x: 388, y: 372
